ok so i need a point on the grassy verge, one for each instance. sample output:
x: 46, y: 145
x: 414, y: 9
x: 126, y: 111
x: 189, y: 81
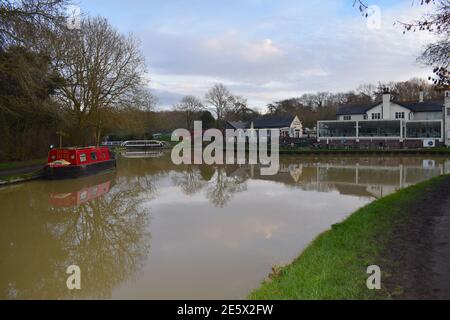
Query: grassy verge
x: 334, y: 265
x: 21, y: 164
x: 4, y: 180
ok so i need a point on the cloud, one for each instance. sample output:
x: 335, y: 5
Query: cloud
x: 284, y: 55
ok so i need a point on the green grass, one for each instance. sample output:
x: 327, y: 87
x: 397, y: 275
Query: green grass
x: 334, y: 265
x: 21, y: 164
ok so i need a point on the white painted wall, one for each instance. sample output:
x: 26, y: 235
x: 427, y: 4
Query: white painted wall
x: 376, y: 109
x: 389, y: 113
x: 398, y: 108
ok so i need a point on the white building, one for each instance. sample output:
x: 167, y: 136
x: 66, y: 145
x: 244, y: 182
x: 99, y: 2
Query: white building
x: 389, y: 109
x: 391, y: 120
x: 289, y: 126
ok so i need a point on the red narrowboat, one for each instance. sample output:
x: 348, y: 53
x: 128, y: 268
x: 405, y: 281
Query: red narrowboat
x: 78, y: 162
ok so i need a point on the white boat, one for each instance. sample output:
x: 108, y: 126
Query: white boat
x: 143, y: 144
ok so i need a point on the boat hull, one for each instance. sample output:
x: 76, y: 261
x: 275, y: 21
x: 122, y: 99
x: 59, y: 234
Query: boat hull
x: 78, y: 171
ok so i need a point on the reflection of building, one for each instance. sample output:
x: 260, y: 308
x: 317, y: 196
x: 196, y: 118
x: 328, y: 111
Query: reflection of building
x: 367, y: 177
x: 142, y: 154
x: 390, y: 123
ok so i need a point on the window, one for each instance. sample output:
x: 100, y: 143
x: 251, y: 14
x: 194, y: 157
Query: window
x: 376, y: 116
x: 399, y: 115
x: 347, y: 117
x: 83, y: 157
x: 365, y: 117
x: 93, y: 156
x: 448, y: 112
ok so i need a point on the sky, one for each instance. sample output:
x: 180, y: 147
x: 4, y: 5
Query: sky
x: 267, y: 50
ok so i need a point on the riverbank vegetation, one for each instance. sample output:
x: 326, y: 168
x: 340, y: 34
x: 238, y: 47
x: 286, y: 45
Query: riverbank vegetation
x: 334, y: 265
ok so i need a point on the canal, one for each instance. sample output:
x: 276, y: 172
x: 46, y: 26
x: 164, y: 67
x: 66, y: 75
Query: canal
x: 153, y: 230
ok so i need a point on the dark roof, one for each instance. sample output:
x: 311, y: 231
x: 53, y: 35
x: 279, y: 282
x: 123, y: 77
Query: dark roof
x: 426, y: 106
x: 273, y: 122
x: 349, y: 110
x: 237, y: 125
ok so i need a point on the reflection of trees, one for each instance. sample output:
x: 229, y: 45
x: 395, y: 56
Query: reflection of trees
x: 222, y: 187
x: 106, y: 237
x: 190, y: 181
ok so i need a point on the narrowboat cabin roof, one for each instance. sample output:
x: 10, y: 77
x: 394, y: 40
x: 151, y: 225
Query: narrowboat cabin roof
x: 78, y: 155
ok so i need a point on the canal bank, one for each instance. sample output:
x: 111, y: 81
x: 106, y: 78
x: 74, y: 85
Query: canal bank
x: 16, y: 172
x: 406, y: 234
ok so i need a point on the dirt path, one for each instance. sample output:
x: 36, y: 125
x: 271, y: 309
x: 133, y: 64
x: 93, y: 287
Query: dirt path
x: 421, y: 248
x: 20, y: 171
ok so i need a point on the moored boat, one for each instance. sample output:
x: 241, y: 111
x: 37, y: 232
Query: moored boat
x: 143, y: 144
x: 72, y: 163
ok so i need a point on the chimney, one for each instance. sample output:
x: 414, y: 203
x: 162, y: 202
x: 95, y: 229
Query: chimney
x: 447, y: 116
x: 386, y: 103
x: 421, y: 94
x: 447, y: 98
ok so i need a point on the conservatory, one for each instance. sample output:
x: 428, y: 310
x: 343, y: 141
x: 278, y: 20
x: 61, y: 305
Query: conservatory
x: 380, y: 129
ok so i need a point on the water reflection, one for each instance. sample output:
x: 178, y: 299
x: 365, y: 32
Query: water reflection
x: 101, y: 229
x: 366, y: 177
x: 216, y: 231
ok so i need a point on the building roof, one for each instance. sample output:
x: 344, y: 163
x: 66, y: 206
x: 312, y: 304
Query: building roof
x: 356, y: 109
x: 273, y: 122
x: 426, y: 106
x: 238, y: 124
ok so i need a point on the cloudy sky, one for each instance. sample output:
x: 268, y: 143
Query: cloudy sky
x: 267, y: 50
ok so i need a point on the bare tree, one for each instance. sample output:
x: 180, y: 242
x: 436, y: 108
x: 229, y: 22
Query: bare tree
x: 368, y: 90
x: 190, y: 106
x: 221, y: 99
x: 100, y: 69
x: 29, y: 16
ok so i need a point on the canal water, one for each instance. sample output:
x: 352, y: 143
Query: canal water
x: 153, y: 230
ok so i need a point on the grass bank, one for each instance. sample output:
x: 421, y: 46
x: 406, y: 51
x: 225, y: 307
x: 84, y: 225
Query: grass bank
x: 21, y: 164
x: 20, y: 171
x: 4, y: 180
x: 334, y: 265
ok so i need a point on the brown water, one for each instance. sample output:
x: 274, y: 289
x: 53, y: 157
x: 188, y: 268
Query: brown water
x: 153, y: 230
